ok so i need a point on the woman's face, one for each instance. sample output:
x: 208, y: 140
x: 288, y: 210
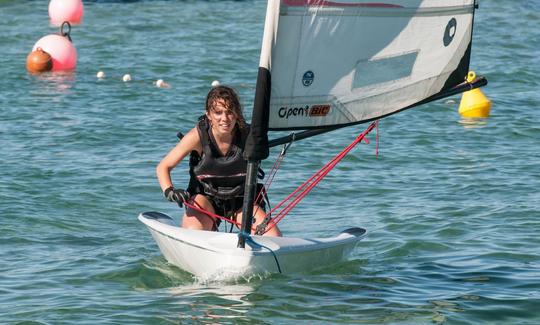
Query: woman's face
x: 221, y: 118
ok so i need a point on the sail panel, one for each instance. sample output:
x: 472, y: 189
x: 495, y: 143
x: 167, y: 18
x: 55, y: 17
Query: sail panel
x: 343, y: 62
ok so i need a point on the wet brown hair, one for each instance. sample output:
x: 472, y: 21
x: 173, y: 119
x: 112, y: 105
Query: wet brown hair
x: 232, y: 102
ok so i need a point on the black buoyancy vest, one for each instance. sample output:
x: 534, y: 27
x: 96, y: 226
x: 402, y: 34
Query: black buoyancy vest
x: 213, y: 174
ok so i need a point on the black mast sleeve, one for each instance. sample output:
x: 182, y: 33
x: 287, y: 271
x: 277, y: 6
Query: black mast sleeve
x: 256, y: 148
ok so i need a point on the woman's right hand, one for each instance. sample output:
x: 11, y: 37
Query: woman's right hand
x: 176, y: 195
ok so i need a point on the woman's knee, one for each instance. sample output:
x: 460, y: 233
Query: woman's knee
x: 195, y: 219
x: 197, y: 222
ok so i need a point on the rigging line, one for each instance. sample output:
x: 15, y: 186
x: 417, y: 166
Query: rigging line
x: 330, y: 165
x: 250, y: 239
x: 273, y: 172
x: 377, y: 141
x: 286, y: 146
x: 308, y: 185
x: 313, y: 181
x: 304, y: 184
x: 279, y: 160
x: 269, y: 179
x: 307, y: 188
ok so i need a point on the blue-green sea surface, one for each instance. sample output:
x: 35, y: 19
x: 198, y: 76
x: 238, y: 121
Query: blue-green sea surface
x: 452, y: 206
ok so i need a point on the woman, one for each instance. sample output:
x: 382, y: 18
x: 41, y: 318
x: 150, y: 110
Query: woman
x: 217, y: 166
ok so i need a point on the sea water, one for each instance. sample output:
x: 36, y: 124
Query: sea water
x: 451, y: 205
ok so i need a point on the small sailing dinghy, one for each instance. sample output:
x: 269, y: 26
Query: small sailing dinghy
x: 208, y: 253
x: 326, y: 65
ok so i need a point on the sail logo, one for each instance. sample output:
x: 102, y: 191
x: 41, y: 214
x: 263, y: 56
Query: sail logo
x: 307, y: 78
x: 319, y: 110
x: 304, y: 111
x: 450, y: 32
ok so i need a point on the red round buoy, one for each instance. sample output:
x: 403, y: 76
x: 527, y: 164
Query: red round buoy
x: 39, y: 61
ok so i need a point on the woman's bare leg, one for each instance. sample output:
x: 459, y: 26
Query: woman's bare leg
x: 197, y: 220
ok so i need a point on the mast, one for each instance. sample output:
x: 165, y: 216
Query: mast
x: 256, y: 148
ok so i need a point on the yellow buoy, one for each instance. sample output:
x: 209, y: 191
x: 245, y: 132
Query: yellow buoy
x: 474, y: 104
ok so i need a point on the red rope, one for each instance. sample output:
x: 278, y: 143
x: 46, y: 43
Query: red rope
x: 297, y: 195
x: 377, y: 145
x: 195, y: 206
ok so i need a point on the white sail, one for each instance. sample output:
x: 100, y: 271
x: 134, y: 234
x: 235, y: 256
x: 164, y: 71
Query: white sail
x: 341, y: 62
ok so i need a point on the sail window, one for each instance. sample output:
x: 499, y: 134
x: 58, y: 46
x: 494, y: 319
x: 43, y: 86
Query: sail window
x: 377, y: 71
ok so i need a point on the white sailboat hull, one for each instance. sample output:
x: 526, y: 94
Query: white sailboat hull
x: 210, y: 254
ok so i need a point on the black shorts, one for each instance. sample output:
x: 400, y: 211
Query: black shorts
x: 226, y: 208
x: 229, y: 208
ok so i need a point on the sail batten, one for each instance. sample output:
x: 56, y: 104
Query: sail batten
x: 378, y: 11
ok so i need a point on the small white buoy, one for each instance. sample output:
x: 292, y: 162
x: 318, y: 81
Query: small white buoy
x: 126, y: 77
x: 161, y: 84
x: 215, y: 83
x: 100, y: 75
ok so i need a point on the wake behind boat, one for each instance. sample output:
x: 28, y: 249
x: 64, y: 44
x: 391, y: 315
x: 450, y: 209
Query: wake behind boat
x: 208, y: 254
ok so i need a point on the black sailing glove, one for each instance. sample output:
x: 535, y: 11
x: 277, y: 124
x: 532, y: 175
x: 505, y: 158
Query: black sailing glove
x: 176, y: 195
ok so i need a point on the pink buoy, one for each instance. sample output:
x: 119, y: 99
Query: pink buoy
x: 61, y: 50
x: 66, y: 10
